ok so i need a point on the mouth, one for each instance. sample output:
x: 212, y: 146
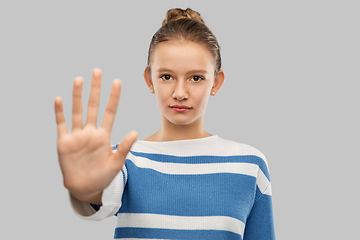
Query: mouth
x: 180, y: 108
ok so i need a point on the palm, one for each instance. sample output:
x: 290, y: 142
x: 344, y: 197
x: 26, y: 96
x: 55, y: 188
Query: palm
x: 85, y: 155
x: 83, y: 152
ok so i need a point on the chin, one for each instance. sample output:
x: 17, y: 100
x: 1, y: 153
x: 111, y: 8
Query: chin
x: 177, y: 122
x: 181, y: 122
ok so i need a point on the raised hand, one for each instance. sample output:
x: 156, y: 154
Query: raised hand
x: 86, y: 159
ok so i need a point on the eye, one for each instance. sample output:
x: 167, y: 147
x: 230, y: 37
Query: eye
x: 166, y: 77
x: 197, y: 78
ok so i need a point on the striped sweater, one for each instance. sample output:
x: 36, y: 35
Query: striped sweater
x: 208, y: 188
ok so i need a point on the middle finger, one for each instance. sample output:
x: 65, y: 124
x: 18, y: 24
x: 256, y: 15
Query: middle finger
x: 77, y: 108
x: 94, y: 99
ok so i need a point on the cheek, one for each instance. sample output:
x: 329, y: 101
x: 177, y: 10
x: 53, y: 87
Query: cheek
x: 162, y: 96
x: 202, y: 97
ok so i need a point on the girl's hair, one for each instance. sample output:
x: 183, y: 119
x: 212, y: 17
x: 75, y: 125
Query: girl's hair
x: 186, y: 24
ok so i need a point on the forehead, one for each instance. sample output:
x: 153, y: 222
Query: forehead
x: 182, y: 55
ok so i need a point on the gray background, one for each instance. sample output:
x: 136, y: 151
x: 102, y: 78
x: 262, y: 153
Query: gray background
x: 291, y: 90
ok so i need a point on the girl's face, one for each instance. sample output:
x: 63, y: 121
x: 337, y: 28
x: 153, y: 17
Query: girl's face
x: 182, y: 78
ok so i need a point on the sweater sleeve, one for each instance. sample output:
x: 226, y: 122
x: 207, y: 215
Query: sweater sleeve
x: 260, y: 222
x: 111, y: 200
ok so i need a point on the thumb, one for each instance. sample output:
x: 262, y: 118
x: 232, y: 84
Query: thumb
x: 124, y: 147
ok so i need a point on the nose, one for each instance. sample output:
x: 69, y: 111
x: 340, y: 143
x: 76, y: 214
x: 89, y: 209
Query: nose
x: 180, y: 91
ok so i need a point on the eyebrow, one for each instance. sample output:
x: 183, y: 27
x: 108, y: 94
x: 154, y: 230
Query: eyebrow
x: 200, y: 71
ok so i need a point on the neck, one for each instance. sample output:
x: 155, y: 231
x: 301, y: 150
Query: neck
x: 173, y: 132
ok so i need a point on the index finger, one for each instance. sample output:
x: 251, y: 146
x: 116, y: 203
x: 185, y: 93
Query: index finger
x: 111, y: 107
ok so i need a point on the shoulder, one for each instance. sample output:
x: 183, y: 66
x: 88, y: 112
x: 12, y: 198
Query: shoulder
x: 242, y: 149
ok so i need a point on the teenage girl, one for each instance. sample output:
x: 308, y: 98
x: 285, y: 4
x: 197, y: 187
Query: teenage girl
x: 181, y: 182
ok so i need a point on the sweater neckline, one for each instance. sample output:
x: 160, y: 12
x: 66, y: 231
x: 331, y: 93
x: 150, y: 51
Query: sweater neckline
x: 209, y: 138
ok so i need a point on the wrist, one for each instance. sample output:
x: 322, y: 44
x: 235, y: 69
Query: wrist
x: 88, y: 198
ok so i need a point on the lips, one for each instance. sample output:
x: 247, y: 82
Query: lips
x: 180, y: 108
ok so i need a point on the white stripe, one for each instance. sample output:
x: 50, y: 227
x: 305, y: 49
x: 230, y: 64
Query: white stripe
x: 125, y: 173
x: 142, y: 220
x: 268, y: 190
x: 195, y: 169
x: 263, y: 183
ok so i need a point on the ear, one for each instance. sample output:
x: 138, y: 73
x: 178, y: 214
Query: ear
x: 219, y: 80
x: 148, y: 81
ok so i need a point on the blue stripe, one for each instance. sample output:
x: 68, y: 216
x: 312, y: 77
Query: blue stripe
x: 206, y: 159
x: 149, y: 191
x: 174, y: 234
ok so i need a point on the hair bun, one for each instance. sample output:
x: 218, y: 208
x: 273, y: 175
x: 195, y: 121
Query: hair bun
x: 178, y: 13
